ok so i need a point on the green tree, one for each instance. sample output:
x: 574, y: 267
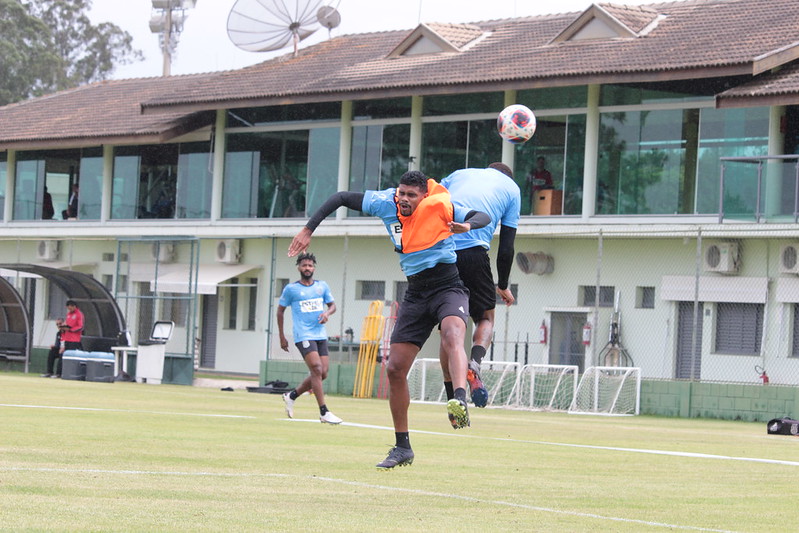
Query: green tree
x: 51, y: 45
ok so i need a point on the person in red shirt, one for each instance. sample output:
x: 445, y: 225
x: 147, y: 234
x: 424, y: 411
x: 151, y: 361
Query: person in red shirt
x: 72, y: 330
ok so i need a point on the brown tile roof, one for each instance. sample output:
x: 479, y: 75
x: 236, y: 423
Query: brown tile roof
x: 693, y: 39
x: 697, y: 38
x: 98, y: 113
x: 459, y: 35
x: 764, y: 88
x: 634, y: 17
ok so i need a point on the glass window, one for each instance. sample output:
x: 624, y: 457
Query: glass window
x: 322, y: 174
x: 260, y: 116
x: 453, y: 104
x: 643, y: 162
x: 370, y: 290
x: 195, y: 180
x: 252, y: 303
x: 680, y: 91
x: 232, y: 304
x: 144, y: 182
x: 379, y: 157
x: 176, y: 308
x: 554, y: 98
x: 91, y: 184
x: 730, y: 133
x: 560, y: 140
x: 29, y: 189
x: 606, y: 295
x: 645, y: 297
x: 449, y: 146
x: 383, y: 108
x: 739, y: 328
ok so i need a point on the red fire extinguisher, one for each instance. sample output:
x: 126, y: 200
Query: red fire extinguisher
x: 587, y: 333
x: 542, y: 333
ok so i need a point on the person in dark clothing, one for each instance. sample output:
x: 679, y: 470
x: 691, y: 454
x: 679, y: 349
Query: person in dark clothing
x: 56, y: 352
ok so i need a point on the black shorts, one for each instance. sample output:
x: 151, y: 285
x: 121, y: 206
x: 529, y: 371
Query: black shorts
x: 428, y: 302
x: 305, y: 347
x: 474, y: 267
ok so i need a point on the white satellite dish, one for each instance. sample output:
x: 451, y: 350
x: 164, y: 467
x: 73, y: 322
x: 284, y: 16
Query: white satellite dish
x: 265, y: 25
x: 329, y: 17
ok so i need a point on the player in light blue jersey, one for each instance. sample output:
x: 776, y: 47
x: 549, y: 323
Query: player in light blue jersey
x: 311, y: 305
x: 420, y: 219
x: 493, y: 191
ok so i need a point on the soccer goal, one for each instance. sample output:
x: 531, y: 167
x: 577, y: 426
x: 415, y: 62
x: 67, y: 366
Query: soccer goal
x: 609, y: 390
x: 426, y: 381
x: 544, y: 388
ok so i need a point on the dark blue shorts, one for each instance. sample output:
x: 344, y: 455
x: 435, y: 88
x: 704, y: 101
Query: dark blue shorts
x: 426, y: 304
x: 306, y: 347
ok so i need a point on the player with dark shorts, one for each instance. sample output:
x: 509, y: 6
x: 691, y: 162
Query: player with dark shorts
x: 308, y: 298
x: 493, y: 191
x: 419, y: 218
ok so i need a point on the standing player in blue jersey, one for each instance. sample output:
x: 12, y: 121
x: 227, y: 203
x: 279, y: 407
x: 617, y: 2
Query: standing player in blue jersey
x: 493, y: 191
x: 419, y: 218
x: 307, y: 298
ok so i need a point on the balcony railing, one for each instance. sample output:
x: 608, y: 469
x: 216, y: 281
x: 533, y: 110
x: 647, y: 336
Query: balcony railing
x: 772, y: 197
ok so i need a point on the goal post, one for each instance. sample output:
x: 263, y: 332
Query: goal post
x: 426, y: 381
x: 610, y: 390
x: 544, y: 388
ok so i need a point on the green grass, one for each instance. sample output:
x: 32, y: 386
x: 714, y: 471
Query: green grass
x: 139, y: 457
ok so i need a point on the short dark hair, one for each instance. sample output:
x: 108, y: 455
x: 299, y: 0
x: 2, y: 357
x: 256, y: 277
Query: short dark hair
x: 414, y: 178
x: 502, y: 167
x: 71, y: 302
x: 306, y: 256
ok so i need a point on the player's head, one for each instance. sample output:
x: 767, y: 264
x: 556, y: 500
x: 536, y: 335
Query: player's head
x: 411, y: 191
x: 502, y: 167
x: 306, y: 265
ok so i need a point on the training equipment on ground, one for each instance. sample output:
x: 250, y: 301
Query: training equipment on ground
x: 516, y: 124
x: 608, y: 390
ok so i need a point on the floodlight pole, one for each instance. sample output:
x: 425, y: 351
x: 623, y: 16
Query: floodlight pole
x: 169, y: 25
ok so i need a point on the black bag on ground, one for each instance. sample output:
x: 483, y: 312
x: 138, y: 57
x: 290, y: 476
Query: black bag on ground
x: 783, y: 426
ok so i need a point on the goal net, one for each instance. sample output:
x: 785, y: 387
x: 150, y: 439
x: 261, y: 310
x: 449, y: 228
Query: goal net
x: 610, y: 390
x: 426, y: 381
x: 544, y: 388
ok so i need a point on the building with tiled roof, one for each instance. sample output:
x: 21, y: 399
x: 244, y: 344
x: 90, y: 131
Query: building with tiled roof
x: 670, y: 131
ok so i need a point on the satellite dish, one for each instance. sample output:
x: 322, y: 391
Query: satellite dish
x: 329, y: 17
x: 266, y: 25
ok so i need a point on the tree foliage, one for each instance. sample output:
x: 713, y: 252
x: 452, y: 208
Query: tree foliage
x: 51, y: 45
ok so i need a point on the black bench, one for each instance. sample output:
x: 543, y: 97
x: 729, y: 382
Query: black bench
x: 13, y: 346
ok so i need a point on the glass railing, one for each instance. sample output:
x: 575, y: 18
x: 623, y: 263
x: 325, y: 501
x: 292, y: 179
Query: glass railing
x: 759, y: 189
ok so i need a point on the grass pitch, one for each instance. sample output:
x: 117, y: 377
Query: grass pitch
x: 77, y: 456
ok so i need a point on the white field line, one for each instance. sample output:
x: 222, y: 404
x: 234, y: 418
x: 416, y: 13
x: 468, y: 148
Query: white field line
x: 379, y: 489
x: 120, y: 410
x: 587, y: 446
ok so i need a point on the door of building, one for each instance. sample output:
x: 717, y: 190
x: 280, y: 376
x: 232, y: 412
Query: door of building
x: 565, y: 343
x: 689, y: 350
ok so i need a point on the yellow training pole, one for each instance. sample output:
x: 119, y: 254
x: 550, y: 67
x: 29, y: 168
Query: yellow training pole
x: 371, y: 334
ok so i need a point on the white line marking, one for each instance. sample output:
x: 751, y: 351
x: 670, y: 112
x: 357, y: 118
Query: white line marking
x: 568, y: 445
x: 119, y: 410
x: 380, y: 488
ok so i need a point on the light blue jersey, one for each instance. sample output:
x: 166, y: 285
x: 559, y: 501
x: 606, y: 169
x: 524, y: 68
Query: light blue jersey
x: 487, y: 190
x: 381, y: 204
x: 307, y: 303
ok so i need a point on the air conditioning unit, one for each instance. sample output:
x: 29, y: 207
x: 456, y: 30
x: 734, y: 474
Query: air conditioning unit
x: 228, y: 251
x: 163, y: 252
x: 789, y: 259
x: 48, y: 250
x: 723, y: 258
x: 535, y: 263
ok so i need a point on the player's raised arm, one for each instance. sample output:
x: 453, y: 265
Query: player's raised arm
x: 301, y: 241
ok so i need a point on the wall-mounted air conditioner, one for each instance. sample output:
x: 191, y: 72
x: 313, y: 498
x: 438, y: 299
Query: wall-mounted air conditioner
x: 163, y: 252
x: 789, y: 259
x: 48, y: 250
x: 535, y: 263
x: 228, y: 251
x: 723, y: 257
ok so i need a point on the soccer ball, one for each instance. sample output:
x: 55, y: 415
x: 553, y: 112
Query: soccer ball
x: 516, y: 124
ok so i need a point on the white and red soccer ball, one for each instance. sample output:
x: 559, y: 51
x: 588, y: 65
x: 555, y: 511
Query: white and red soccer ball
x: 516, y: 124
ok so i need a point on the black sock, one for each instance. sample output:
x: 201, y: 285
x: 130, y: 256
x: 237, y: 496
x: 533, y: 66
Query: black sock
x: 449, y: 389
x: 478, y: 352
x: 403, y: 440
x: 293, y: 394
x: 460, y: 394
x: 323, y: 409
